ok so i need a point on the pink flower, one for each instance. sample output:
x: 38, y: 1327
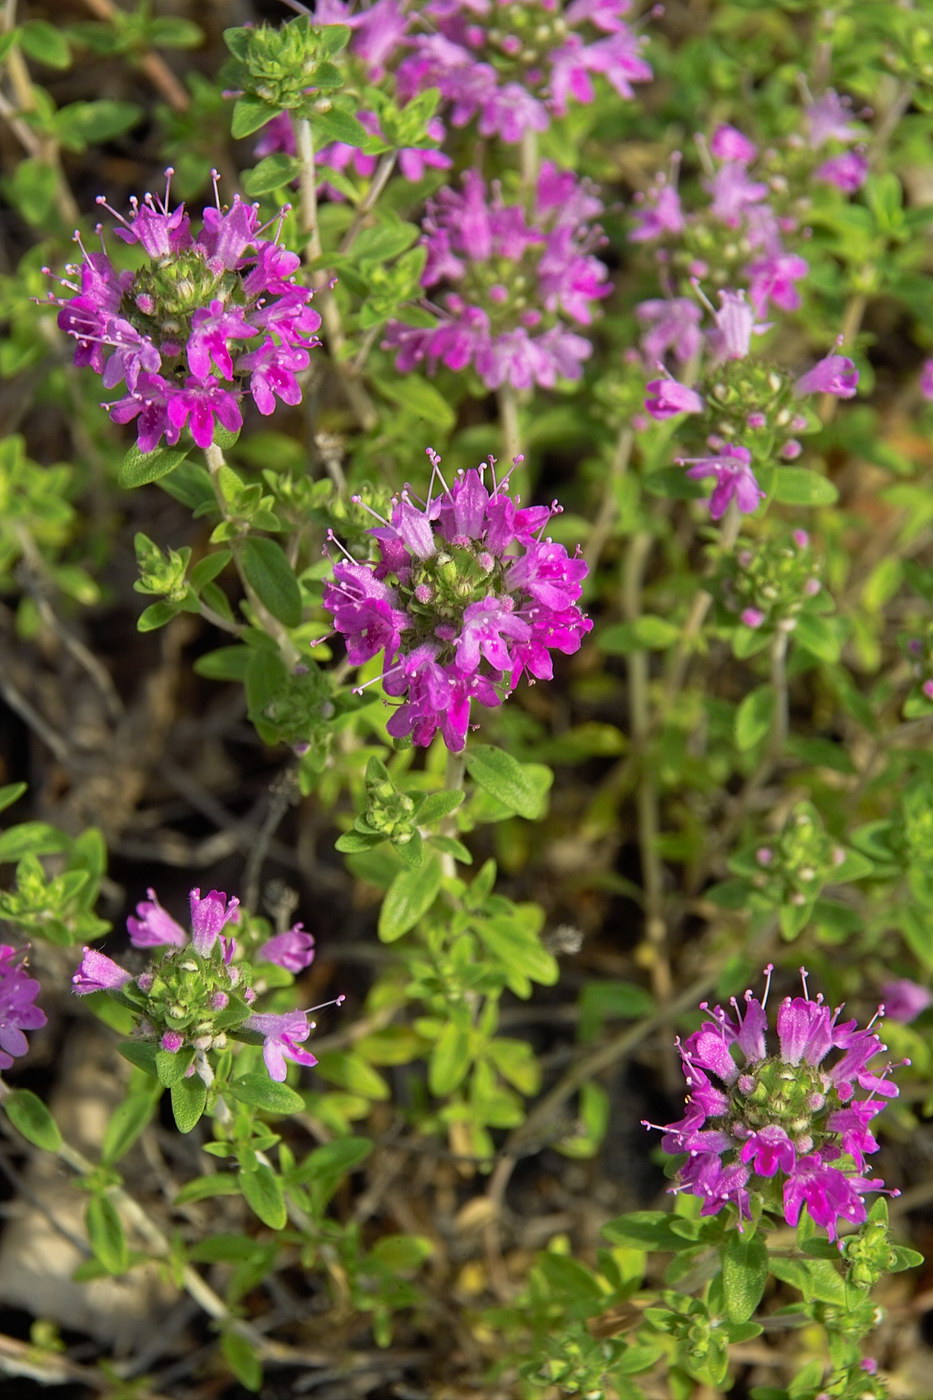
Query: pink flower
x: 836, y: 374
x: 926, y: 379
x: 516, y: 280
x: 788, y: 1115
x: 98, y: 973
x: 735, y: 480
x: 848, y: 171
x: 220, y: 305
x: 18, y: 1012
x: 293, y: 950
x: 728, y: 143
x: 464, y: 600
x: 668, y: 397
x: 282, y: 1035
x: 153, y: 927
x: 904, y: 1000
x: 479, y: 58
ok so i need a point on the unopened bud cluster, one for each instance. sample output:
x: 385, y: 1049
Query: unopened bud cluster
x: 768, y: 583
x: 794, y: 867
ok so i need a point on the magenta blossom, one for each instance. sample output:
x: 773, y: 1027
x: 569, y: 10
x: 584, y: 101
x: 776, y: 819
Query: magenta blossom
x: 667, y: 398
x: 735, y: 480
x: 784, y: 1125
x: 293, y: 950
x: 18, y: 1012
x: 206, y: 318
x: 281, y: 1036
x: 517, y: 281
x: 836, y: 375
x: 465, y: 600
x: 98, y: 973
x: 509, y: 67
x: 904, y: 1000
x: 153, y: 927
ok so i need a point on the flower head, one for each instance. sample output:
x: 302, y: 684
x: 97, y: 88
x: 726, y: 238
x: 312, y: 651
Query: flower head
x: 18, y: 1012
x: 517, y: 280
x: 904, y: 1000
x: 782, y: 1124
x: 206, y: 318
x: 465, y: 599
x: 510, y: 67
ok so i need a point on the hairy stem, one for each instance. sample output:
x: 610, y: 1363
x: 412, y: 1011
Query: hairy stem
x: 269, y: 624
x: 356, y: 396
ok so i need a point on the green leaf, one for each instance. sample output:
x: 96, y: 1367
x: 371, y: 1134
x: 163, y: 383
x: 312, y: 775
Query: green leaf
x: 127, y: 1121
x: 351, y: 1072
x: 450, y: 1060
x: 141, y: 1053
x: 819, y: 636
x: 81, y: 124
x: 29, y: 1116
x: 325, y: 1166
x: 263, y: 1192
x: 272, y: 579
x: 171, y: 1067
x: 399, y: 1254
x: 260, y: 1091
x: 904, y: 1258
x: 796, y: 486
x: 505, y: 779
x: 45, y: 42
x: 270, y: 174
x: 413, y: 392
x: 408, y: 898
x: 105, y: 1233
x: 31, y: 838
x: 189, y: 1099
x: 434, y: 808
x: 155, y: 616
x: 10, y: 793
x: 240, y: 1356
x: 204, y: 1188
x: 249, y: 114
x: 644, y: 634
x: 139, y: 468
x: 755, y: 716
x: 519, y: 951
x: 336, y: 125
x: 645, y: 1229
x: 744, y: 1275
x: 207, y: 569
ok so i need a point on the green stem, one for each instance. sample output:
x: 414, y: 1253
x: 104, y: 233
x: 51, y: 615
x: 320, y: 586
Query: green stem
x: 646, y: 792
x: 454, y: 774
x: 508, y: 418
x: 269, y: 624
x: 356, y: 396
x: 680, y: 661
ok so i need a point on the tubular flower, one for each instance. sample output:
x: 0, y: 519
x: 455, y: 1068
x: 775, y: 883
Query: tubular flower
x: 518, y: 282
x: 511, y: 66
x: 466, y: 598
x: 783, y: 1125
x: 18, y: 1012
x: 206, y: 317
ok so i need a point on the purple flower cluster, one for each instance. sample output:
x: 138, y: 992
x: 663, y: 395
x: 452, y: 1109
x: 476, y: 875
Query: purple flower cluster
x: 510, y: 67
x: 205, y: 317
x: 195, y: 1001
x: 18, y: 1012
x: 518, y: 278
x: 786, y: 1126
x: 466, y: 598
x: 739, y: 396
x: 756, y: 207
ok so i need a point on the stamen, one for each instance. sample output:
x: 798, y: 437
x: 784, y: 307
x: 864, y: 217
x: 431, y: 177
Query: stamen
x: 767, y: 972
